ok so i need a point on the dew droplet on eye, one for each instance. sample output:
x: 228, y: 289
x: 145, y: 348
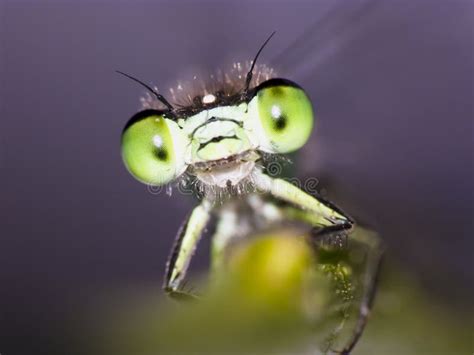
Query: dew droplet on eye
x: 157, y: 141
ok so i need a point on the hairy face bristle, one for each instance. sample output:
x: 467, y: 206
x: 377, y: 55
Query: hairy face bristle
x: 228, y: 83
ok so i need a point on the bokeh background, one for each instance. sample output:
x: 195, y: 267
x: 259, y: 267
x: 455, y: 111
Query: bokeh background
x: 392, y: 84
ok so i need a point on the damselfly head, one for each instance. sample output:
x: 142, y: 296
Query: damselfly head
x: 216, y: 130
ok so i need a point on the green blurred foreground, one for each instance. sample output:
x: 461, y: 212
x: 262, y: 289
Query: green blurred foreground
x: 277, y: 296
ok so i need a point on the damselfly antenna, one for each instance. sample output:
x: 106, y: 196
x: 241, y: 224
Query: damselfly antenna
x: 149, y: 88
x: 250, y: 73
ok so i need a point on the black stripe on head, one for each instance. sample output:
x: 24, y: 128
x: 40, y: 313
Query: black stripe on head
x: 216, y: 140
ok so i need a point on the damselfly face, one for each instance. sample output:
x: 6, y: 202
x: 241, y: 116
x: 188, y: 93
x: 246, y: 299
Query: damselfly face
x: 218, y: 138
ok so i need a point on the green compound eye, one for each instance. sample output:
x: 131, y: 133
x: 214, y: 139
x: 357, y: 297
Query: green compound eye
x: 153, y: 148
x: 285, y: 113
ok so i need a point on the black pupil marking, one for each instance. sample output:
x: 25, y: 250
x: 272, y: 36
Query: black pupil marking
x: 161, y: 154
x: 280, y: 122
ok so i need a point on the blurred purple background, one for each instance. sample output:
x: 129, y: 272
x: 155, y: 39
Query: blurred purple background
x: 392, y: 84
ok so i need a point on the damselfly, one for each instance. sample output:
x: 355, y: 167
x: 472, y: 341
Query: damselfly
x: 219, y: 142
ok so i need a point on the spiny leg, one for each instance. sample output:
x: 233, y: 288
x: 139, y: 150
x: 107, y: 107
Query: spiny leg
x: 375, y: 250
x: 375, y: 255
x: 324, y: 213
x: 185, y: 244
x: 331, y: 223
